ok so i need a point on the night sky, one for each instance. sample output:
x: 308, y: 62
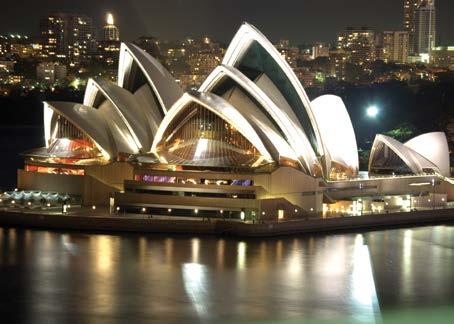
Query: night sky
x: 301, y: 21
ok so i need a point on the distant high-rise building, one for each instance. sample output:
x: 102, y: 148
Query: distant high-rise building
x: 410, y: 7
x: 50, y: 72
x: 320, y: 50
x: 111, y: 32
x: 396, y: 45
x: 409, y: 13
x: 67, y: 36
x: 359, y: 43
x: 338, y: 62
x: 425, y: 28
x: 109, y: 46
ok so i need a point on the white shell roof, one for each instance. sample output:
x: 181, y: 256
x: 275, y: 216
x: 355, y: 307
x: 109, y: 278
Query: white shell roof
x: 127, y: 108
x: 164, y: 86
x: 414, y: 160
x: 434, y: 147
x: 220, y: 107
x: 295, y: 141
x: 87, y: 119
x: 242, y: 40
x: 336, y: 130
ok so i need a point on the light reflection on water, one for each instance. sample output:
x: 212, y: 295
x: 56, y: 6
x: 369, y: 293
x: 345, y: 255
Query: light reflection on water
x: 88, y: 278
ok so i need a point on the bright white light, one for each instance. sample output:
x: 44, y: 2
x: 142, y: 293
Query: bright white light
x: 280, y: 214
x: 372, y: 111
x: 110, y: 19
x: 195, y: 285
x: 242, y: 215
x: 202, y: 145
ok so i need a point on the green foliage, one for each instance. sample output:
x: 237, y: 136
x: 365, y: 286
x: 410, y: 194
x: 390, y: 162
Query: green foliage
x: 403, y: 132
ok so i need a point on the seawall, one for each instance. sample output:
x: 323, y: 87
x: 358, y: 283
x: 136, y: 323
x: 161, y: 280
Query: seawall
x: 221, y: 227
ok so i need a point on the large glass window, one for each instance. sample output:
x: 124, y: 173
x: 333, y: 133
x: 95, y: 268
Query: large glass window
x: 197, y: 136
x: 386, y: 161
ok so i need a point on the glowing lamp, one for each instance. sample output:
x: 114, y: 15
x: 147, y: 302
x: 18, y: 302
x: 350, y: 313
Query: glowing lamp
x: 372, y: 111
x: 110, y: 19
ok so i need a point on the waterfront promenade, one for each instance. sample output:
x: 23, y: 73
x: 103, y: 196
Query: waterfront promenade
x: 85, y: 219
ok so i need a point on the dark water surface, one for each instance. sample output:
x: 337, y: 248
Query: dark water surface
x: 58, y: 277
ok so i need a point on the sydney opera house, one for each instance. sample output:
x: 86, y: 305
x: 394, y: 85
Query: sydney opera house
x: 248, y: 144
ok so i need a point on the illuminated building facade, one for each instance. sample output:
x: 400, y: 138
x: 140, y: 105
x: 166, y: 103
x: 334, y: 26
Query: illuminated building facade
x: 66, y: 36
x: 425, y: 33
x: 248, y: 143
x: 320, y: 50
x: 109, y: 46
x: 396, y: 46
x: 111, y: 32
x: 410, y: 7
x: 51, y: 72
x: 443, y: 56
x: 359, y: 43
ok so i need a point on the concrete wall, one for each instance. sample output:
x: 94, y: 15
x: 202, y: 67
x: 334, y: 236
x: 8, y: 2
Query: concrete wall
x: 269, y: 210
x: 112, y: 174
x: 92, y: 191
x: 70, y: 184
x: 293, y: 185
x: 389, y: 186
x: 164, y: 201
x: 96, y: 192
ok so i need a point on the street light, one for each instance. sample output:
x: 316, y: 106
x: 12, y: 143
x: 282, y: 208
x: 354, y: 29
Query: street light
x: 372, y: 111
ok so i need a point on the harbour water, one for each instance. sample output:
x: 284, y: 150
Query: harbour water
x: 374, y: 277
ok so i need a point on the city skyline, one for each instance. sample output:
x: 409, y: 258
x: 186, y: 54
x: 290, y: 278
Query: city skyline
x: 302, y: 23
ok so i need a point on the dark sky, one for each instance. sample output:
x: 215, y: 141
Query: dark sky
x: 301, y: 21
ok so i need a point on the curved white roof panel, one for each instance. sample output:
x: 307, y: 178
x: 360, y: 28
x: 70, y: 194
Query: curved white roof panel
x: 220, y: 107
x: 268, y: 131
x: 297, y: 146
x: 89, y: 120
x: 434, y: 147
x: 380, y: 156
x: 254, y: 55
x: 164, y: 86
x: 337, y: 131
x: 122, y: 137
x: 127, y: 106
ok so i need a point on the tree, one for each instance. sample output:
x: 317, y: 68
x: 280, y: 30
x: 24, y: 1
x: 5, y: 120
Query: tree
x: 403, y: 132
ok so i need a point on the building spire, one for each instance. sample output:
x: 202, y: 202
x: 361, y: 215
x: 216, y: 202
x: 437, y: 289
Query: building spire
x: 110, y: 19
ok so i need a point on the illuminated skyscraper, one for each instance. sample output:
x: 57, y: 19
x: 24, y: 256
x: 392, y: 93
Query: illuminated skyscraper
x: 109, y: 47
x: 425, y: 28
x: 67, y: 36
x: 111, y: 32
x: 410, y: 7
